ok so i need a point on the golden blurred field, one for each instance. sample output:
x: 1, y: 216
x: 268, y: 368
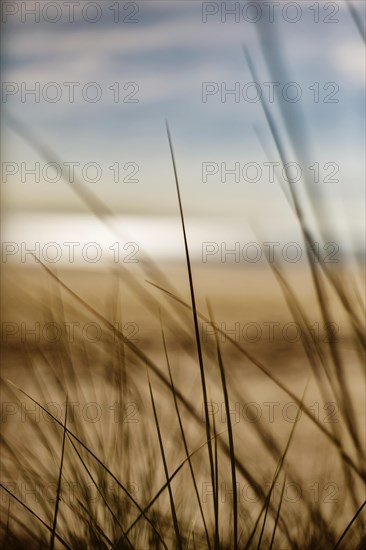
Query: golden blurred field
x: 73, y: 352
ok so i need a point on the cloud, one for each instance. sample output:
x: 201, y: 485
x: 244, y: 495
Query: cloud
x: 169, y: 54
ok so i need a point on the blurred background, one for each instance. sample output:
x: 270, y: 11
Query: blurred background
x: 265, y: 106
x: 106, y: 75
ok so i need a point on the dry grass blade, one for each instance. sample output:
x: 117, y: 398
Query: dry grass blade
x: 93, y: 523
x: 100, y: 462
x: 58, y: 537
x: 161, y: 445
x: 359, y: 471
x: 184, y: 439
x: 342, y: 537
x: 299, y: 141
x: 357, y: 20
x: 196, y: 330
x: 125, y: 537
x: 279, y: 466
x: 278, y: 514
x: 266, y: 504
x: 143, y: 357
x: 315, y: 355
x: 230, y: 432
x: 216, y: 488
x: 176, y: 471
x: 317, y: 363
x: 58, y: 494
x: 101, y: 211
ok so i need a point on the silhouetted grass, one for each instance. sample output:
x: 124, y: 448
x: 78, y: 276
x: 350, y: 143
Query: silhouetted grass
x: 172, y: 455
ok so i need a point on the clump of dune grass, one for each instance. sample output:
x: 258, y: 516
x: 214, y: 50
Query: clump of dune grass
x: 119, y: 484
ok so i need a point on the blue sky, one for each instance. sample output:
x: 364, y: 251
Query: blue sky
x: 168, y: 54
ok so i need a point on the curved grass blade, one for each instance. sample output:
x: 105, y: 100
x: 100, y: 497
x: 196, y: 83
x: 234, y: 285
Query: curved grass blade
x: 276, y: 474
x: 230, y: 432
x: 161, y: 445
x: 320, y: 291
x: 360, y: 472
x: 357, y: 19
x: 53, y: 532
x: 343, y: 535
x: 70, y: 433
x: 60, y: 539
x: 176, y: 471
x: 184, y: 439
x: 101, y: 493
x: 196, y: 330
x: 278, y: 514
x: 144, y: 358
